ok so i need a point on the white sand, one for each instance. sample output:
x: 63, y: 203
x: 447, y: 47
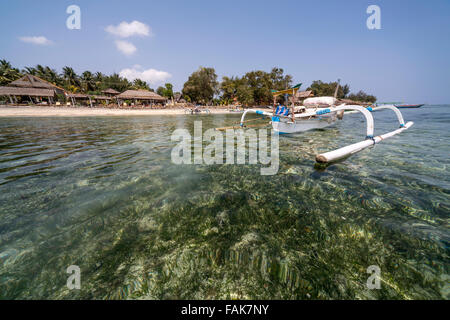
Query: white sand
x: 85, y: 111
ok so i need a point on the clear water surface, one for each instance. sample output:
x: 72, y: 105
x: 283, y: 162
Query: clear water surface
x: 102, y: 193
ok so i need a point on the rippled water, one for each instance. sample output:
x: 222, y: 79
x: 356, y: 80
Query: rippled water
x: 102, y: 193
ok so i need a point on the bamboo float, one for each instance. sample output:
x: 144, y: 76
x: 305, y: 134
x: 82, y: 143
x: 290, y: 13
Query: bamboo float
x: 347, y: 151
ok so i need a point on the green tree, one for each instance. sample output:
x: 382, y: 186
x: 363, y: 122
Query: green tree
x: 362, y: 96
x: 8, y: 73
x: 116, y: 82
x: 201, y: 86
x: 261, y: 84
x: 88, y: 81
x: 279, y: 80
x: 169, y: 90
x: 160, y: 90
x: 322, y: 89
x: 70, y: 77
x: 52, y: 76
x: 99, y: 81
x: 166, y: 91
x: 30, y: 70
x: 255, y: 86
x: 245, y: 94
x: 228, y: 88
x: 139, y: 84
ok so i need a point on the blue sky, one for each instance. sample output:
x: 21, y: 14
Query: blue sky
x: 407, y: 60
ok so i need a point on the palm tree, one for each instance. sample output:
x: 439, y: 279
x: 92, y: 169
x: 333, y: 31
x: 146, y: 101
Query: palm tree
x: 30, y: 70
x: 41, y: 72
x: 52, y: 76
x: 8, y: 73
x: 88, y: 81
x: 116, y: 82
x: 46, y: 73
x: 139, y: 84
x: 70, y: 76
x: 99, y: 79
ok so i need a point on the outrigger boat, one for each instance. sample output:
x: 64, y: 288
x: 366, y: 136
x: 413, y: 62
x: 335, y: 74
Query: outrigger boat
x: 321, y: 112
x: 404, y: 106
x: 400, y: 105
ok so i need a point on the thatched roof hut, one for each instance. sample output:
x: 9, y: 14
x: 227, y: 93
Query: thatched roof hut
x: 110, y: 91
x: 31, y: 92
x: 30, y: 81
x: 96, y: 97
x: 90, y: 97
x: 77, y: 95
x: 32, y: 95
x: 141, y: 95
x: 74, y: 96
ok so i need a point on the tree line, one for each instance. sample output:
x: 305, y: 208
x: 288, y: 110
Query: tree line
x: 253, y: 88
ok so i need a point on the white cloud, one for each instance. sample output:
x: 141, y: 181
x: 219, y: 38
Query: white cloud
x: 125, y: 29
x: 127, y: 48
x: 151, y: 76
x: 42, y: 41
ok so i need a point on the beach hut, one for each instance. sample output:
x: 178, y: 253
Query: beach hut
x: 110, y: 92
x: 105, y: 98
x: 87, y: 98
x: 30, y: 81
x: 28, y: 93
x: 31, y: 87
x: 143, y: 96
x: 80, y: 96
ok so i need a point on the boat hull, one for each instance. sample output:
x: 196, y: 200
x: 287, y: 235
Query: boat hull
x: 301, y: 125
x: 404, y: 106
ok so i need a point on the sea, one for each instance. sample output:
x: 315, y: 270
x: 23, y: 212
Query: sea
x: 96, y: 208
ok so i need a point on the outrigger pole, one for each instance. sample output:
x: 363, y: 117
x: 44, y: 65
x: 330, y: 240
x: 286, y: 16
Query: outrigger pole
x: 347, y: 151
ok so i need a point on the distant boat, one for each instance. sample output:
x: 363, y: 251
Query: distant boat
x: 408, y: 105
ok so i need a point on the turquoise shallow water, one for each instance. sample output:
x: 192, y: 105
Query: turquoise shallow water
x: 102, y: 193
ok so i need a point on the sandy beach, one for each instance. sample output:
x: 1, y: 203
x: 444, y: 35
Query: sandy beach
x: 25, y: 111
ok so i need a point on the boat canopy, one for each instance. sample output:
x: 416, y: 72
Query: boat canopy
x: 291, y: 90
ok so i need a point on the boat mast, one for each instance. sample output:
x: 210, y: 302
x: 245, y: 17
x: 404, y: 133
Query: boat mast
x: 337, y: 88
x: 293, y: 105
